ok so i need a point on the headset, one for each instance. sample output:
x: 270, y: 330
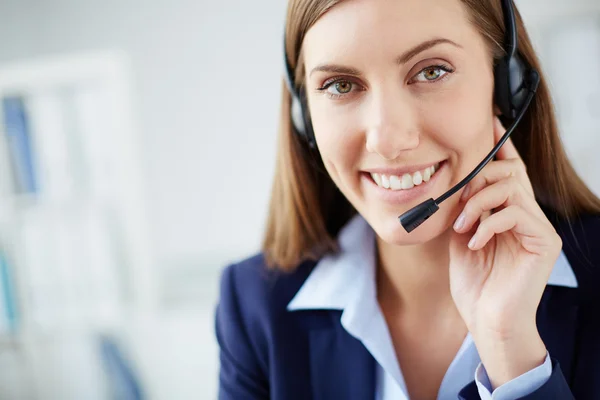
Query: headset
x: 515, y: 86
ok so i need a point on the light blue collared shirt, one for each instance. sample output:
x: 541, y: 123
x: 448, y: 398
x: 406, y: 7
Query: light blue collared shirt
x: 346, y: 281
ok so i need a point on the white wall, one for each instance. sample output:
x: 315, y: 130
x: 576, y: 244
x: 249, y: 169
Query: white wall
x: 207, y: 78
x: 207, y: 85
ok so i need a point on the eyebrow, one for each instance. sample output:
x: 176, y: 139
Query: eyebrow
x: 402, y: 59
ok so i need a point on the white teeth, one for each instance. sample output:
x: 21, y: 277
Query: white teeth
x: 385, y: 182
x: 417, y: 178
x: 395, y: 183
x: 407, y: 181
x: 426, y: 175
x: 377, y: 179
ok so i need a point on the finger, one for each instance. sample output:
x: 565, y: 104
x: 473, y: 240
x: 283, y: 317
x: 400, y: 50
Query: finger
x: 508, y: 149
x: 534, y: 236
x: 496, y: 171
x: 503, y: 193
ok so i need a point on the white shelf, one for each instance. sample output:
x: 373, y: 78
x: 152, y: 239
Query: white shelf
x: 79, y: 249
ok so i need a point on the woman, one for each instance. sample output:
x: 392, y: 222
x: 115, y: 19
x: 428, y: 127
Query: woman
x: 492, y: 297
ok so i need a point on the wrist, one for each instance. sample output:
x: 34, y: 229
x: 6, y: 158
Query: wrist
x: 508, y: 357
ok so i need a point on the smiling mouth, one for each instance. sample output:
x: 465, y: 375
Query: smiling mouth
x: 406, y: 181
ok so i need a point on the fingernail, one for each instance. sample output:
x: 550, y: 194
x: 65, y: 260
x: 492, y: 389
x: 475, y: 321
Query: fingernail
x: 472, y: 242
x: 460, y: 222
x: 465, y: 193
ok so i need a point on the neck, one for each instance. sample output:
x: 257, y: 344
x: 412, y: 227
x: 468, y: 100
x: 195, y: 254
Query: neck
x: 414, y: 280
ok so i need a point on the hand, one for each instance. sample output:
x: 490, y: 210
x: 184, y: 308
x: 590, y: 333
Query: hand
x: 502, y: 252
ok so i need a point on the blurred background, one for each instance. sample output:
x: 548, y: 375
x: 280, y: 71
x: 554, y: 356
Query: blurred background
x: 137, y: 144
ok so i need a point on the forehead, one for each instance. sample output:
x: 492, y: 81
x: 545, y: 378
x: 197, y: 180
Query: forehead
x: 373, y: 30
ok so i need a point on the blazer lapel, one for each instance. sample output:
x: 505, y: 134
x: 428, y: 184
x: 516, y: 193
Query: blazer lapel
x: 340, y: 366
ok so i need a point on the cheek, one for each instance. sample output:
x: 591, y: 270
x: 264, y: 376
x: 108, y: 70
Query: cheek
x: 340, y: 145
x: 462, y: 121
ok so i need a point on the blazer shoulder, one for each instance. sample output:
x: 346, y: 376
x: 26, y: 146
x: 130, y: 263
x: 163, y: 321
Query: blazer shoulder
x: 253, y: 299
x: 261, y: 290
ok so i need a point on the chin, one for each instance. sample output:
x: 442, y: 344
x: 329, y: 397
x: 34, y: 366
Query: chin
x: 390, y: 230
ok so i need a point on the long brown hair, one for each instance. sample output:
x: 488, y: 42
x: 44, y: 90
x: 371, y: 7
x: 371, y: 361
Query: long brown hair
x: 307, y: 210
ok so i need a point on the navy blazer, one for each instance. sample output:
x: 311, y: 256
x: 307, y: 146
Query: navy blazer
x: 267, y: 352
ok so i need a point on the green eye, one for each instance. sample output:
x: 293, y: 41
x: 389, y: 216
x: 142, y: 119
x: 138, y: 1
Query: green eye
x: 343, y: 87
x: 431, y: 74
x: 338, y: 88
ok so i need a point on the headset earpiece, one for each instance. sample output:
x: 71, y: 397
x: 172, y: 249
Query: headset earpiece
x: 510, y: 85
x: 511, y: 72
x: 301, y: 118
x: 297, y: 116
x: 309, y: 134
x: 299, y: 113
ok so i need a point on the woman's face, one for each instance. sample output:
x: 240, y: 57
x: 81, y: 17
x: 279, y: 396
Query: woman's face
x: 395, y: 87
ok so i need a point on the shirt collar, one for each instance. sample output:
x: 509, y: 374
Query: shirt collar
x: 344, y: 280
x: 338, y: 278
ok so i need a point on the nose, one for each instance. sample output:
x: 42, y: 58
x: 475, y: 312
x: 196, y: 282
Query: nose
x: 391, y: 124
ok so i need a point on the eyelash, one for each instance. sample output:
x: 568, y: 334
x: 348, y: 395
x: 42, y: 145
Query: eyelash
x: 443, y: 67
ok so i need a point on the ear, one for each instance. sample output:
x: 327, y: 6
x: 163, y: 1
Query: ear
x: 497, y: 111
